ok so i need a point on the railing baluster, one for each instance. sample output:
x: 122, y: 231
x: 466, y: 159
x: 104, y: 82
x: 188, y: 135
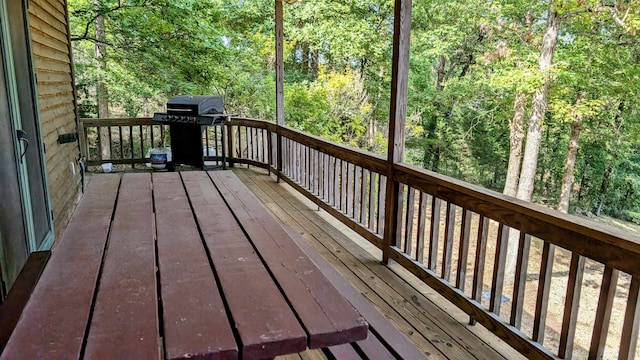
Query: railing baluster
x: 498, y: 269
x: 372, y: 201
x: 481, y: 252
x: 320, y: 161
x: 603, y: 312
x: 131, y: 143
x: 350, y: 182
x: 629, y: 338
x: 408, y: 233
x: 121, y: 144
x: 463, y: 249
x: 520, y: 278
x: 363, y: 196
x: 450, y: 223
x: 571, y: 306
x: 110, y: 143
x: 422, y: 221
x: 326, y: 176
x: 357, y: 185
x: 343, y: 186
x: 382, y: 193
x: 544, y: 285
x: 141, y: 134
x: 310, y: 168
x: 398, y: 236
x: 318, y: 177
x: 434, y: 233
x: 307, y: 167
x: 335, y: 182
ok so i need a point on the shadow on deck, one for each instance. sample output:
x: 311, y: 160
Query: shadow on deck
x: 434, y: 325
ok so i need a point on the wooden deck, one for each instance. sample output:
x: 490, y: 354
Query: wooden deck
x: 434, y: 325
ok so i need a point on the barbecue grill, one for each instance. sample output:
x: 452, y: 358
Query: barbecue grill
x: 188, y: 116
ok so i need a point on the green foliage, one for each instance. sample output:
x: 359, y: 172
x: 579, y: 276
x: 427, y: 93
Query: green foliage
x: 468, y: 60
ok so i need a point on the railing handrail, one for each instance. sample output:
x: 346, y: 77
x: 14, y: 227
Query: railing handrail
x: 586, y: 238
x: 102, y: 122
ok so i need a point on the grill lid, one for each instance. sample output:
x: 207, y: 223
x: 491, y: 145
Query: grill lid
x: 195, y: 105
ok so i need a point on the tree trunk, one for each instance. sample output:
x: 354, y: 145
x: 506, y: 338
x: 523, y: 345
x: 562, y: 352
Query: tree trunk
x: 516, y: 138
x: 539, y: 108
x: 534, y: 132
x: 570, y: 160
x: 101, y: 87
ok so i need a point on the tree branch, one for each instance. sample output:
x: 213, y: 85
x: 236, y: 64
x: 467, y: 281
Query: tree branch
x: 92, y: 39
x: 120, y: 6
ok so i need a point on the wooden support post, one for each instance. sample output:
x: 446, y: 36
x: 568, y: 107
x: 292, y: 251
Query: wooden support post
x: 231, y: 144
x: 397, y: 118
x: 279, y: 82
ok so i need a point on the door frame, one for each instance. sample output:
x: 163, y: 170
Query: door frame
x: 31, y: 112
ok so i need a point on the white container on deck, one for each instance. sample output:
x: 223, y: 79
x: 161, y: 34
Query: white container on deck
x: 158, y: 158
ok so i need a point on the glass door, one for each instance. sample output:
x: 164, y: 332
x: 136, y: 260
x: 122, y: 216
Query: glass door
x: 25, y: 216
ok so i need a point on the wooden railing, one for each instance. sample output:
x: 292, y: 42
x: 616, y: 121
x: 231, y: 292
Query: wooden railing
x: 571, y: 291
x: 128, y: 141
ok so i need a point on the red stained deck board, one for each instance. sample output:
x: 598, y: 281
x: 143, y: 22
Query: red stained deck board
x: 248, y: 288
x: 327, y: 316
x: 55, y: 318
x: 344, y: 352
x: 373, y: 349
x: 124, y: 322
x: 194, y: 317
x: 381, y: 325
